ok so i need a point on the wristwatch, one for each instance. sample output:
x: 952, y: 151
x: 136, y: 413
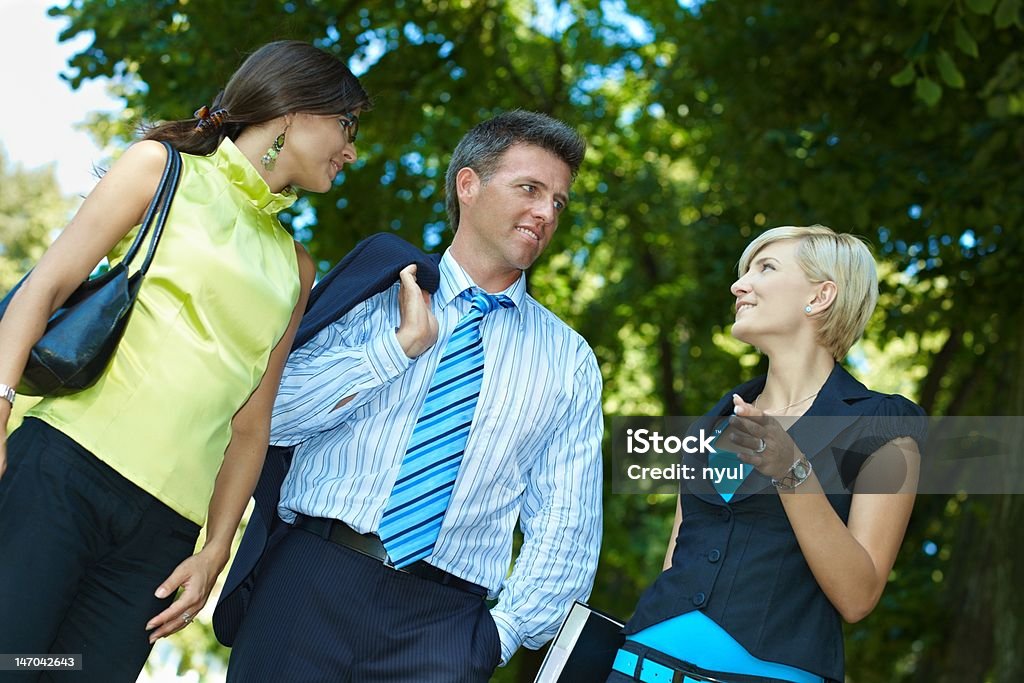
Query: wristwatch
x: 797, y: 474
x: 8, y: 393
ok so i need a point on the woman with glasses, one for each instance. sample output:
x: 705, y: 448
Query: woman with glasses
x: 103, y: 492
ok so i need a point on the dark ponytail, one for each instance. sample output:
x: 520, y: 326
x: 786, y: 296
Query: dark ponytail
x: 286, y: 76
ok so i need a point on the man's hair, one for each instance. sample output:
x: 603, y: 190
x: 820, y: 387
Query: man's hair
x: 846, y: 260
x: 482, y: 147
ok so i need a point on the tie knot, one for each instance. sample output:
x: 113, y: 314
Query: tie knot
x: 485, y: 303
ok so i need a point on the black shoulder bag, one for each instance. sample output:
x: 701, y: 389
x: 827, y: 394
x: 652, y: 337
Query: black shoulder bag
x: 81, y: 337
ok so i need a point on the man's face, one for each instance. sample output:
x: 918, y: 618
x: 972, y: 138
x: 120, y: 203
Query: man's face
x: 509, y: 220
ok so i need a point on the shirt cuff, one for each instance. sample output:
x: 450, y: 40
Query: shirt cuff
x: 386, y: 357
x: 507, y: 634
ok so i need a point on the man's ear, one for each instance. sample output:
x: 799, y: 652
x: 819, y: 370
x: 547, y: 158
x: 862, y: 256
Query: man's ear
x: 467, y: 184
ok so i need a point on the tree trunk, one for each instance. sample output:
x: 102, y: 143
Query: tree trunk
x: 984, y: 591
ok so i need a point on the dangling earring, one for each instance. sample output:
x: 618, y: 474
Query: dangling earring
x: 269, y: 160
x: 807, y: 309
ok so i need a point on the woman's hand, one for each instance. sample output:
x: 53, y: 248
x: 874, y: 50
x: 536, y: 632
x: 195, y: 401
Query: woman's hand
x: 196, y: 575
x: 5, y: 417
x: 759, y: 440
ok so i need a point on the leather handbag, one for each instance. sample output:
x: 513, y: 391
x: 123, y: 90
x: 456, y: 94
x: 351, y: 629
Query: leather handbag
x: 82, y: 335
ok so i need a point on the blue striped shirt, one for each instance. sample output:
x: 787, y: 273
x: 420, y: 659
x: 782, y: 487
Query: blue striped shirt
x: 533, y: 454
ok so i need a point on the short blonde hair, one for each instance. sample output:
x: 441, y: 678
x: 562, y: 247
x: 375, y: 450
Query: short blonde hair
x: 846, y: 260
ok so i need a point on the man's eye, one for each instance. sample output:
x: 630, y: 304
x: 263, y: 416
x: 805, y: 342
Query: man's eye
x: 559, y: 205
x: 529, y: 188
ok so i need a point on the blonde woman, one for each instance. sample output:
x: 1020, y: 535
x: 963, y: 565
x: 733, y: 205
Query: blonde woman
x: 759, y: 575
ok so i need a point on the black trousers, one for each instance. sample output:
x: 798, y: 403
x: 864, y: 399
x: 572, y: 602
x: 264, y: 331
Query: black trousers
x: 82, y: 550
x: 321, y: 612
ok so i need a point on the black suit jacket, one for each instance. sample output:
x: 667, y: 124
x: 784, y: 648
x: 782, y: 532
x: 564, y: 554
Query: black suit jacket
x: 370, y: 268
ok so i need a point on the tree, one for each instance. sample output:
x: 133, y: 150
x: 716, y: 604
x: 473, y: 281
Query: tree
x: 707, y: 123
x: 802, y: 125
x: 32, y: 210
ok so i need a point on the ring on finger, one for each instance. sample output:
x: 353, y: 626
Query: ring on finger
x: 186, y: 616
x: 761, y: 445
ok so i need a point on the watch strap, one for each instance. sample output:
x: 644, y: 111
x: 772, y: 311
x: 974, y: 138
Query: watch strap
x: 791, y: 480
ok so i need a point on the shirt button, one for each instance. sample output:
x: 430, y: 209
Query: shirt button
x: 714, y: 556
x: 699, y: 599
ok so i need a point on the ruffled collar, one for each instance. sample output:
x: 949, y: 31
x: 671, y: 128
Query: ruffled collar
x: 240, y: 173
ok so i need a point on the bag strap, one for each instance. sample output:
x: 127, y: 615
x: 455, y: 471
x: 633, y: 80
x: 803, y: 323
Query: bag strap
x: 167, y: 197
x: 160, y: 204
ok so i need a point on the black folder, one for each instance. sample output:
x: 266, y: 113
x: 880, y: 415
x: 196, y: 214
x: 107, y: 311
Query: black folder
x: 584, y: 649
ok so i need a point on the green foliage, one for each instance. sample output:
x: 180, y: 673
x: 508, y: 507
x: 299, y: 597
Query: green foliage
x: 964, y: 40
x: 706, y: 125
x: 947, y: 69
x: 32, y: 209
x: 981, y: 6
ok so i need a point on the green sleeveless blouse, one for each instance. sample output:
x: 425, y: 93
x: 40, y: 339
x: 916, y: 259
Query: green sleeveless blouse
x: 217, y: 299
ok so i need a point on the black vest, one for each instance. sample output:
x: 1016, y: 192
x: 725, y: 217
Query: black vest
x: 739, y: 562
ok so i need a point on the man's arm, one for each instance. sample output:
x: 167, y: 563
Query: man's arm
x: 561, y: 523
x: 349, y: 362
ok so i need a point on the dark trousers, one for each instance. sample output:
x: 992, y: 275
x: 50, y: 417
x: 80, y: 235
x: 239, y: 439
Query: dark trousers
x: 321, y: 612
x: 82, y: 550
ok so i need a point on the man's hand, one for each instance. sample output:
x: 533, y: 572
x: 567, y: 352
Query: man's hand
x: 418, y: 329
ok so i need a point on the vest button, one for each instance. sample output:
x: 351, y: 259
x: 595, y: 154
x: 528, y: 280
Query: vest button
x: 714, y: 556
x: 699, y: 599
x: 725, y: 514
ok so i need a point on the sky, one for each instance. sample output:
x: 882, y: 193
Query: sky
x: 40, y: 112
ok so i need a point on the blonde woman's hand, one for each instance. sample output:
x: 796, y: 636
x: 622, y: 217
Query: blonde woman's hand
x: 760, y: 440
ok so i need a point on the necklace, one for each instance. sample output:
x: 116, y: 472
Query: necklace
x: 769, y: 411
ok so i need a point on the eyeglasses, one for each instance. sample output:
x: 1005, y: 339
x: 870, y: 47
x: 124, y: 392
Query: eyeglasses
x: 350, y: 122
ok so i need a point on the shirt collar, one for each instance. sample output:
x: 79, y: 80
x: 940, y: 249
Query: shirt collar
x: 455, y: 280
x: 241, y: 173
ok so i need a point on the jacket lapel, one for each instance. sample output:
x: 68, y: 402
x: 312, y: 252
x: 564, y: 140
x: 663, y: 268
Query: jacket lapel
x: 835, y: 410
x: 701, y: 487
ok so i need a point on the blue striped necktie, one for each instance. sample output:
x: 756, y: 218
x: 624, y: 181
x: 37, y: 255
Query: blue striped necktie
x: 413, y: 515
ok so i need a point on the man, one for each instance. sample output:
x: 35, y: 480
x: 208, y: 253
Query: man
x: 424, y: 428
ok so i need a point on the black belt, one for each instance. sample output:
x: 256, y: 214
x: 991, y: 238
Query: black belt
x: 647, y: 665
x: 370, y: 545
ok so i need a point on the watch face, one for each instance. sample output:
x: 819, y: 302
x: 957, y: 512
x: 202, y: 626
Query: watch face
x: 801, y: 469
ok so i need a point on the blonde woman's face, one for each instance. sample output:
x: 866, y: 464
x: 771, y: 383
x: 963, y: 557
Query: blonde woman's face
x: 771, y: 295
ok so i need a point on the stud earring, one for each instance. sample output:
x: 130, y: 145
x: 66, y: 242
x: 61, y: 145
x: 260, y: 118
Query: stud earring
x: 269, y: 160
x: 807, y: 309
